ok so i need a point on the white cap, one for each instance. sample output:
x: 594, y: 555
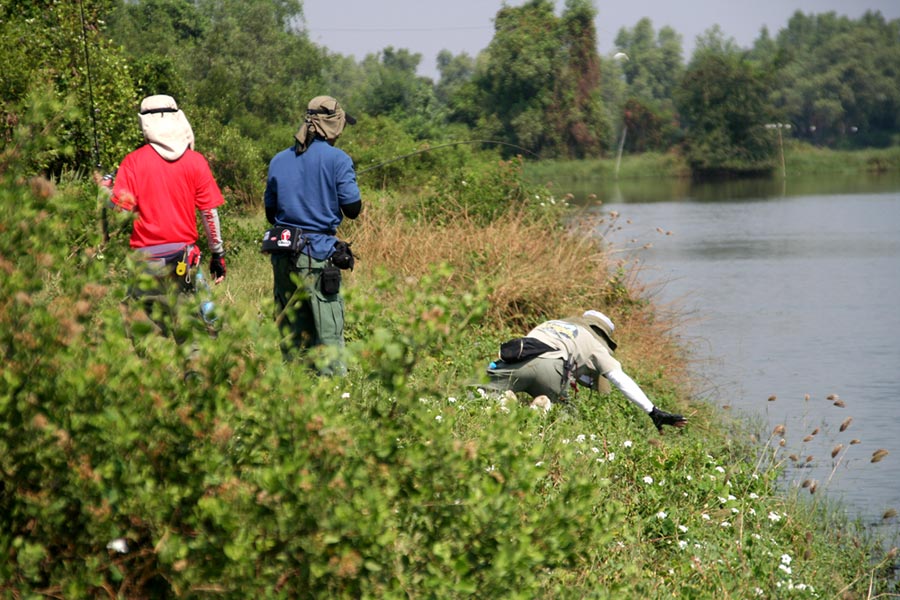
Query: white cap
x: 599, y: 315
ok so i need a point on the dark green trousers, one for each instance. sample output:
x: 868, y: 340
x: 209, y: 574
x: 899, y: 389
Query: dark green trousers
x: 307, y: 317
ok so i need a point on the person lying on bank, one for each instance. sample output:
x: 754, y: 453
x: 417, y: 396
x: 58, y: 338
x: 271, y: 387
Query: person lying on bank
x: 558, y: 354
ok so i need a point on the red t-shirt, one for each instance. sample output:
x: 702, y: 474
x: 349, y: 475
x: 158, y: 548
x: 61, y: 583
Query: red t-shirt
x: 166, y: 195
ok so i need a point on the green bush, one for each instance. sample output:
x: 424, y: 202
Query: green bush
x: 121, y: 476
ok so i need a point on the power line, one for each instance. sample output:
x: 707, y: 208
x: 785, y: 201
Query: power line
x: 395, y: 29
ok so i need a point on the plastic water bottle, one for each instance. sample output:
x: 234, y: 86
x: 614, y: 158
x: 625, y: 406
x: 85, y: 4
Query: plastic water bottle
x: 207, y: 306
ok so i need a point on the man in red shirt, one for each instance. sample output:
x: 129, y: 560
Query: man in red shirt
x: 165, y: 182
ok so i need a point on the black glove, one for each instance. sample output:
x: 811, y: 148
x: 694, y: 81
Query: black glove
x: 661, y: 417
x: 217, y: 265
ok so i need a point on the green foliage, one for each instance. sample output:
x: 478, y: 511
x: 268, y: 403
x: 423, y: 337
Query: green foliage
x: 654, y: 65
x: 387, y: 155
x: 722, y: 101
x: 391, y: 87
x: 540, y: 81
x: 836, y: 78
x: 246, y: 477
x: 239, y: 162
x: 132, y: 466
x: 54, y: 50
x: 483, y: 192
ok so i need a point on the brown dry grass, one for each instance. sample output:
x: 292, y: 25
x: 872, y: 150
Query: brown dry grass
x: 533, y: 270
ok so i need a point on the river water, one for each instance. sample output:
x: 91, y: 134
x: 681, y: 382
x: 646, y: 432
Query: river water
x: 787, y: 294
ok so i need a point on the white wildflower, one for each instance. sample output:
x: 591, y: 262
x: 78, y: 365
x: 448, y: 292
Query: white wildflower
x: 705, y: 516
x: 682, y: 544
x: 720, y: 469
x: 611, y: 456
x: 724, y: 524
x: 774, y: 517
x: 786, y: 559
x: 682, y: 529
x: 648, y: 479
x: 345, y: 395
x: 451, y: 400
x: 785, y: 568
x: 439, y: 418
x: 627, y: 443
x: 661, y: 515
x: 754, y: 496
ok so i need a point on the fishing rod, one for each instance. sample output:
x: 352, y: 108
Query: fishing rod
x: 429, y: 149
x: 93, y: 110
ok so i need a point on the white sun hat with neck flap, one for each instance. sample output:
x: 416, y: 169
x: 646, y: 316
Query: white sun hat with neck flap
x: 165, y: 127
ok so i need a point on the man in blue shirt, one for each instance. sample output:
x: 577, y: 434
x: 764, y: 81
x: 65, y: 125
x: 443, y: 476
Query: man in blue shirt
x: 311, y: 186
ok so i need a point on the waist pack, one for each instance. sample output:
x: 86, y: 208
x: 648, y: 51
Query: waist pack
x: 519, y: 349
x: 282, y: 240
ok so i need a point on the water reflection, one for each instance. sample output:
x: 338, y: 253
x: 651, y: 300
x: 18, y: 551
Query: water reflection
x: 666, y: 190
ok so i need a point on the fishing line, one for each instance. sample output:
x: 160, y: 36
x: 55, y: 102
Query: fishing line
x: 87, y: 63
x: 429, y: 149
x: 104, y: 221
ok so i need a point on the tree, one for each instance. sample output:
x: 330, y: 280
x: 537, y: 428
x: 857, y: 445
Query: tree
x: 652, y: 72
x: 539, y: 84
x: 579, y: 82
x: 455, y: 71
x: 723, y: 102
x: 837, y: 78
x: 61, y: 44
x: 159, y: 36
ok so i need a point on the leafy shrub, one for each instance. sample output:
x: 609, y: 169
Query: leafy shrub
x: 238, y: 163
x: 122, y: 476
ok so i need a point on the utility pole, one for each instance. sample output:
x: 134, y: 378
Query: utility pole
x: 779, y: 127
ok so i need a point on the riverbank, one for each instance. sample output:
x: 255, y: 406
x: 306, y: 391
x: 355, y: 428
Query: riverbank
x: 252, y: 478
x: 799, y: 159
x: 697, y: 511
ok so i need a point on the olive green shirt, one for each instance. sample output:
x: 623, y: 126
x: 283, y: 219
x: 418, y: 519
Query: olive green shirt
x: 577, y: 342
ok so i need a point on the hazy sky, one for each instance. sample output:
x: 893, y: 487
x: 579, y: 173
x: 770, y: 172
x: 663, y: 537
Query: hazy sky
x: 361, y: 27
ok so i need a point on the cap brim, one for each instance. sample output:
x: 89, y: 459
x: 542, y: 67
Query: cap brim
x: 350, y: 120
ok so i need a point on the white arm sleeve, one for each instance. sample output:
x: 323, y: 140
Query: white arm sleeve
x: 631, y: 389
